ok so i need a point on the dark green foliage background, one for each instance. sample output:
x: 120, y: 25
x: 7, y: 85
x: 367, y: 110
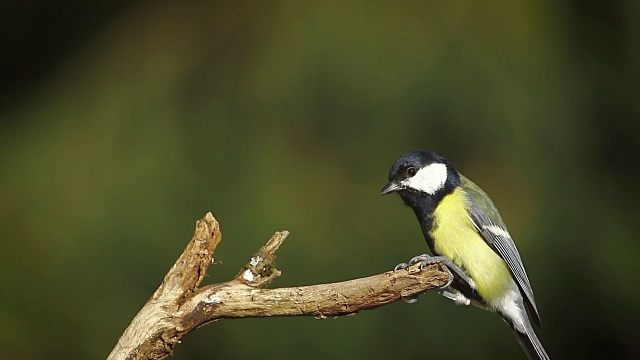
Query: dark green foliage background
x: 123, y: 123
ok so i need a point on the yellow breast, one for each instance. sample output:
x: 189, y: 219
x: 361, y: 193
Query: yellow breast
x: 455, y: 237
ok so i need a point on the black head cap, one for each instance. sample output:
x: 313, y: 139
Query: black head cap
x: 414, y: 159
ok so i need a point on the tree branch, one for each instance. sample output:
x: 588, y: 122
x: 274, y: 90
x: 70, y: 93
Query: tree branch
x: 178, y: 306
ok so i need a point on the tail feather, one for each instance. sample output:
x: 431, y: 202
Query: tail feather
x: 531, y: 345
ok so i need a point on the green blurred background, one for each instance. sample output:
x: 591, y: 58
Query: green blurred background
x: 124, y: 122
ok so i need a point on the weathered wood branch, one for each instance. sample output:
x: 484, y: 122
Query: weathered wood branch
x: 178, y: 306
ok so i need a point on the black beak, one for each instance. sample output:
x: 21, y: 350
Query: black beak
x: 392, y: 186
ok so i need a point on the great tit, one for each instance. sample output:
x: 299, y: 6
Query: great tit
x: 463, y: 228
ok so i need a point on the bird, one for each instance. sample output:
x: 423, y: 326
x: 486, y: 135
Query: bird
x: 465, y: 232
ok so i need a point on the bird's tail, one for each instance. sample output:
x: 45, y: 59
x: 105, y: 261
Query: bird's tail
x: 530, y: 344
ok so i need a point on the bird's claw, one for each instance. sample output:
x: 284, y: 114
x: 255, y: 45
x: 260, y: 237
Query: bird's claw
x: 420, y: 258
x: 450, y: 278
x: 424, y: 260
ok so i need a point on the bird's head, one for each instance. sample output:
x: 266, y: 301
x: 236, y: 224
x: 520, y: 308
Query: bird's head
x: 421, y: 173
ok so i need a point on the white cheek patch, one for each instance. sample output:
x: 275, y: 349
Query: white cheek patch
x: 429, y: 179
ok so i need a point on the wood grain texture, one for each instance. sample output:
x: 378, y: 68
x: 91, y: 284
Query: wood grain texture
x: 178, y: 306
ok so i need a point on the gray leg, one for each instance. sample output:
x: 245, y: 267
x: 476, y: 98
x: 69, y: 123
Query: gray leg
x: 451, y: 294
x: 426, y: 259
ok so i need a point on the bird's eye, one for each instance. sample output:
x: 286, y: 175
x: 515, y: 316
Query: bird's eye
x: 411, y: 171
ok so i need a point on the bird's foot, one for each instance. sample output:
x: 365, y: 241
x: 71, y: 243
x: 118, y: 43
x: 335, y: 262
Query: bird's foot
x: 449, y: 267
x: 452, y: 269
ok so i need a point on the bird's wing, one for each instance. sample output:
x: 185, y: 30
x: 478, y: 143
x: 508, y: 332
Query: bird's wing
x: 489, y: 224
